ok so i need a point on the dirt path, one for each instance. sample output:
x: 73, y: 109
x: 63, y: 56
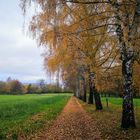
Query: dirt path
x: 72, y: 124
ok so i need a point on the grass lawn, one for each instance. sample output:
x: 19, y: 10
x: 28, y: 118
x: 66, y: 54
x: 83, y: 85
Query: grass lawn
x: 118, y: 101
x: 23, y: 115
x: 109, y: 119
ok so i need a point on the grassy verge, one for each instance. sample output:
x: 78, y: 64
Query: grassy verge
x: 23, y: 115
x: 109, y: 119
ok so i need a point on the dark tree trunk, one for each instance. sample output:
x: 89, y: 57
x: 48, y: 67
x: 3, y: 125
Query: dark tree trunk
x: 78, y: 88
x: 97, y: 98
x: 84, y: 90
x: 90, y: 99
x: 127, y: 57
x: 93, y: 93
x: 128, y: 119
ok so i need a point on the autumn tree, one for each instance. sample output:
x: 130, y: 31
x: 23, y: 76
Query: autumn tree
x: 15, y: 87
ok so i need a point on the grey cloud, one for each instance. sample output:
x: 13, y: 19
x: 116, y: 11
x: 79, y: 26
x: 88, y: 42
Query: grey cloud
x: 19, y: 56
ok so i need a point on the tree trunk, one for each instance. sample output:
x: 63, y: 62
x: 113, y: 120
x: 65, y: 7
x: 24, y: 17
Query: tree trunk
x: 97, y: 98
x: 90, y: 99
x: 84, y: 90
x: 127, y: 57
x: 128, y: 119
x: 78, y: 88
x: 93, y: 93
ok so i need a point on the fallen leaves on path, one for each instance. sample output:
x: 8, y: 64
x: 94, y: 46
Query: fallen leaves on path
x: 72, y: 124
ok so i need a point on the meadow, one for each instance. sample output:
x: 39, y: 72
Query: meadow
x: 118, y: 101
x: 24, y: 115
x: 109, y: 119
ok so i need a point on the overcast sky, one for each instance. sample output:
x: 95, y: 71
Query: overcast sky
x: 20, y: 58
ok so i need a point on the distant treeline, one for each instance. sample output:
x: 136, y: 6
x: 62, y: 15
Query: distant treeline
x: 12, y: 86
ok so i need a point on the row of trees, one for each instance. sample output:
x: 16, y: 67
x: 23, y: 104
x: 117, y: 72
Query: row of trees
x: 93, y: 44
x: 16, y: 87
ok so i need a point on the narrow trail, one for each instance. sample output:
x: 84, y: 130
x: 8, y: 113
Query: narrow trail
x: 72, y: 124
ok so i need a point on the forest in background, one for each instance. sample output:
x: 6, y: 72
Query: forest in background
x: 15, y: 87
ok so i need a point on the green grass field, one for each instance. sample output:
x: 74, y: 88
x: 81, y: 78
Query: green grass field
x: 118, y: 101
x: 108, y: 120
x: 23, y: 115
